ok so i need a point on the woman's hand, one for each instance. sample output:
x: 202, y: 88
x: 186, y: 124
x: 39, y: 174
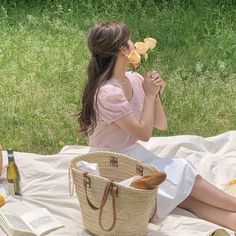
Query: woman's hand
x: 150, y: 86
x: 157, y: 81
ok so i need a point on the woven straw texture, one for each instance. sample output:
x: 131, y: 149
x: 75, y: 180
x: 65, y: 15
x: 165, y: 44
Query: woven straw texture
x: 133, y: 206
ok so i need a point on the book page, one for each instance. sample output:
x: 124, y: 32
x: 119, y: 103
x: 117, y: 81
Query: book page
x: 14, y: 222
x: 40, y: 221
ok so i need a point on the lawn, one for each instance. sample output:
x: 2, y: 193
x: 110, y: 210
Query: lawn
x: 43, y: 60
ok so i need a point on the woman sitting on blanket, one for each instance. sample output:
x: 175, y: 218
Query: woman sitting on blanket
x: 120, y: 107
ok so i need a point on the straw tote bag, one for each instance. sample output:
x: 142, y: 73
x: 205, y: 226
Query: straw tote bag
x: 109, y: 208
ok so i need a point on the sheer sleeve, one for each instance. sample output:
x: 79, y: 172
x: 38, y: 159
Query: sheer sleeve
x: 112, y: 104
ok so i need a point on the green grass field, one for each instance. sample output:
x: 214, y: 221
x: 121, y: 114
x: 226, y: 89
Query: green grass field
x: 43, y: 60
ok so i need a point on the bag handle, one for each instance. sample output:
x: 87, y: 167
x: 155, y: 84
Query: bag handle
x: 86, y: 183
x: 110, y: 188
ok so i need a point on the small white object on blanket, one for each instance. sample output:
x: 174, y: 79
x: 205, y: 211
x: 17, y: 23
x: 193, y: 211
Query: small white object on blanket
x: 127, y: 182
x: 91, y: 168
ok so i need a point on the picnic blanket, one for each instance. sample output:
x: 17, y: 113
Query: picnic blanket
x: 44, y: 181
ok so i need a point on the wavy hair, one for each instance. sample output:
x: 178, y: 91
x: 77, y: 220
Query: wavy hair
x: 104, y: 42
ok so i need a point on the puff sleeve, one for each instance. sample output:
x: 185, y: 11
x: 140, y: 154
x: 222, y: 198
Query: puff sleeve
x: 112, y: 104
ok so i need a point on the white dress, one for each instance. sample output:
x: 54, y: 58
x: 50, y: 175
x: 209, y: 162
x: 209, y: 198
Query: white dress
x: 180, y: 176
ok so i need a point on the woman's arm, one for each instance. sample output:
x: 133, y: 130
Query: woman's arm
x: 142, y: 128
x: 160, y: 120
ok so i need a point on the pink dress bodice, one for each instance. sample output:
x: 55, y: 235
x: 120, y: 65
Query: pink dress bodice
x: 112, y: 105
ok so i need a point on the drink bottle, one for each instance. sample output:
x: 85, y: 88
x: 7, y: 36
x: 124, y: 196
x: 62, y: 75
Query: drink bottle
x: 13, y: 177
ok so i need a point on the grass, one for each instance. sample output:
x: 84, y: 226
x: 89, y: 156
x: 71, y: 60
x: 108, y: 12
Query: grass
x: 43, y: 58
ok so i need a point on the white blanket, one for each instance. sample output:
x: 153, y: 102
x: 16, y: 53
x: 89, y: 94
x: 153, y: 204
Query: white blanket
x: 44, y: 181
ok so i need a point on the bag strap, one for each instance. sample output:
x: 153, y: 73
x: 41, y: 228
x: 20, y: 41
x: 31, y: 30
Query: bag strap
x: 86, y: 183
x: 109, y: 188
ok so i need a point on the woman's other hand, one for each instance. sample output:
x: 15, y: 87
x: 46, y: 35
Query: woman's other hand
x: 157, y: 81
x: 149, y: 87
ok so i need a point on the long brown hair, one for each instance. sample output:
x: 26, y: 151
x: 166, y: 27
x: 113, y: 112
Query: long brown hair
x: 104, y: 41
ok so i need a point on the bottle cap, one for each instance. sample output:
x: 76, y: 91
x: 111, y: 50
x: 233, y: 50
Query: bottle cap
x: 10, y: 154
x: 10, y: 151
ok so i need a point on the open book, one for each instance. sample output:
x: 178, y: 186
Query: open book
x: 37, y: 222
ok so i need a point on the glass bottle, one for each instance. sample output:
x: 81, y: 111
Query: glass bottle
x: 13, y: 177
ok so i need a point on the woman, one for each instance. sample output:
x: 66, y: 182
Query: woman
x: 119, y: 108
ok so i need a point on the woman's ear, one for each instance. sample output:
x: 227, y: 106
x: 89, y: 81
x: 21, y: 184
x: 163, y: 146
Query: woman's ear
x: 125, y: 51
